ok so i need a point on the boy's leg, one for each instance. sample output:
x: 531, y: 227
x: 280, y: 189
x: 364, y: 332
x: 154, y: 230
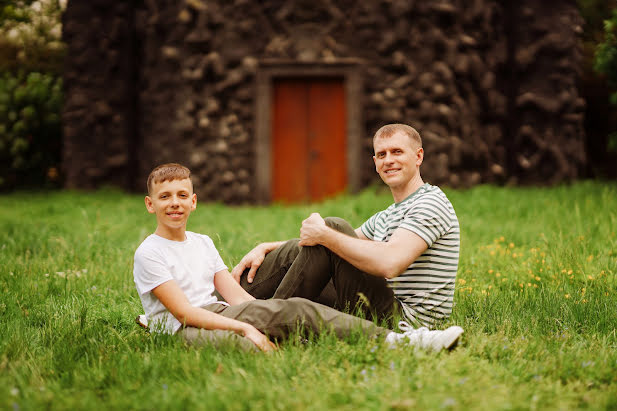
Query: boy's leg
x: 218, y: 338
x: 314, y: 266
x: 278, y: 318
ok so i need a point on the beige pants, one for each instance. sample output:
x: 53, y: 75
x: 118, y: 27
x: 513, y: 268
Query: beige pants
x: 278, y: 319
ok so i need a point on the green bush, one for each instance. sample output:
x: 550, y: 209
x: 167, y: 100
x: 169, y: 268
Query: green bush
x: 606, y: 63
x: 30, y: 129
x: 31, y: 55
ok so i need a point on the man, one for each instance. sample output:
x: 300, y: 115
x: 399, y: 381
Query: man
x: 403, y: 260
x: 176, y: 272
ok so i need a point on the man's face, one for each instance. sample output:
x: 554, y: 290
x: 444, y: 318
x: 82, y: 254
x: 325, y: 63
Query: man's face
x: 397, y: 159
x: 172, y: 202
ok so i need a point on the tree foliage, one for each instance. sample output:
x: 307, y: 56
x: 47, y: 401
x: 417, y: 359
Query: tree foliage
x: 606, y: 54
x: 30, y: 129
x: 606, y: 63
x: 31, y: 35
x: 31, y: 58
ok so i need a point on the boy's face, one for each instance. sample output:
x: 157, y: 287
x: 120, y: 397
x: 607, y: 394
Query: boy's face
x: 172, y: 202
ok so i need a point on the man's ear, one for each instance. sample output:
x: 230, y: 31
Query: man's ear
x: 193, y: 201
x: 420, y: 156
x: 149, y: 205
x: 375, y: 161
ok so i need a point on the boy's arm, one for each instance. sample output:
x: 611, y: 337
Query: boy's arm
x: 229, y: 289
x: 174, y: 299
x: 253, y: 260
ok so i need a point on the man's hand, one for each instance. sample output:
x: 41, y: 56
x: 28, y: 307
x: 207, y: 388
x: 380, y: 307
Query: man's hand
x: 312, y: 230
x: 252, y: 260
x: 261, y: 341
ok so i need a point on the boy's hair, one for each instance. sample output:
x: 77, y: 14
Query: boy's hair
x: 390, y: 129
x: 167, y: 172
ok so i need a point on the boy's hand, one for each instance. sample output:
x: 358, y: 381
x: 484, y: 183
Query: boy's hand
x: 261, y: 341
x: 252, y: 260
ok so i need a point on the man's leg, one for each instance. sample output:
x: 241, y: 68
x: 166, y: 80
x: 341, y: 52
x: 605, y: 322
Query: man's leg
x: 314, y: 266
x: 272, y: 271
x: 279, y: 318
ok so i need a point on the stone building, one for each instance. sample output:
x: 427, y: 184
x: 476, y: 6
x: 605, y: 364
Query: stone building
x: 278, y: 99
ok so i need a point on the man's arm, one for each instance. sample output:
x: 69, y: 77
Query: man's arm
x: 360, y: 234
x: 174, y: 299
x: 253, y: 260
x: 382, y: 259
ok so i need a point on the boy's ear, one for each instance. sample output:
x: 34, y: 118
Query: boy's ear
x: 194, y: 201
x: 149, y: 205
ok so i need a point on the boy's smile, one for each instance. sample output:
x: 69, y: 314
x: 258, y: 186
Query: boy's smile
x: 172, y: 202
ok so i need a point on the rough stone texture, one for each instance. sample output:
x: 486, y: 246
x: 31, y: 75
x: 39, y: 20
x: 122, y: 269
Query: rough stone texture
x: 98, y: 108
x: 546, y: 126
x: 490, y: 88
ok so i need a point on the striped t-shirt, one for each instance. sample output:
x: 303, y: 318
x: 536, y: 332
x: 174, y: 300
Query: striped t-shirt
x: 426, y: 288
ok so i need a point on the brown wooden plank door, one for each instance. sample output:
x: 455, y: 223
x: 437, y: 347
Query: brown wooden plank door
x: 309, y: 137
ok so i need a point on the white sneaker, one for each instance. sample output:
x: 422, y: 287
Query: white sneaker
x: 142, y: 321
x: 424, y: 338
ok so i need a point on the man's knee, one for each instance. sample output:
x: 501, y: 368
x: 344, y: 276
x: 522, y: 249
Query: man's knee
x: 339, y: 224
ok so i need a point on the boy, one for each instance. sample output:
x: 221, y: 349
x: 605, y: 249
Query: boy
x: 176, y: 271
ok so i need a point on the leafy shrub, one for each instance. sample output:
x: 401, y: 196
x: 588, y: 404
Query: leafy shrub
x: 30, y: 35
x: 31, y: 56
x: 606, y: 63
x: 30, y: 129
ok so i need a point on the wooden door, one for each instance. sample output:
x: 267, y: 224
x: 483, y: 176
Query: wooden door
x: 309, y: 150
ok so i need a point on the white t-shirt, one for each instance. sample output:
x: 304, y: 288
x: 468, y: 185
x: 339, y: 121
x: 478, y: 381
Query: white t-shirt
x: 192, y: 263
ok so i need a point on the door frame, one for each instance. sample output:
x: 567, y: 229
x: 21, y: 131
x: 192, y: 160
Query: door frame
x: 270, y: 69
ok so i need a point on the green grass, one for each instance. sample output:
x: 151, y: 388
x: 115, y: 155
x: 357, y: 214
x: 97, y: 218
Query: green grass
x: 535, y: 294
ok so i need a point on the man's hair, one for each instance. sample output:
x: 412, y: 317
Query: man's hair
x: 167, y: 172
x: 389, y: 130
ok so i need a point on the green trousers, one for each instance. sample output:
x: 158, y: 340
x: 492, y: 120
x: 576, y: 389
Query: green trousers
x: 318, y: 274
x: 278, y: 319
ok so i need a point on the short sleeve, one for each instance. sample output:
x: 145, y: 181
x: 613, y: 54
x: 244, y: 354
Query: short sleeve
x: 149, y: 271
x: 426, y: 219
x: 368, y: 228
x: 219, y: 265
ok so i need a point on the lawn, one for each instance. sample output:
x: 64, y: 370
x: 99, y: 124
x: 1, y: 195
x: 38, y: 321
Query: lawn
x: 535, y: 294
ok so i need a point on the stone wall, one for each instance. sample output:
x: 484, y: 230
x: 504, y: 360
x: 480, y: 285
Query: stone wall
x: 99, y: 106
x: 490, y: 88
